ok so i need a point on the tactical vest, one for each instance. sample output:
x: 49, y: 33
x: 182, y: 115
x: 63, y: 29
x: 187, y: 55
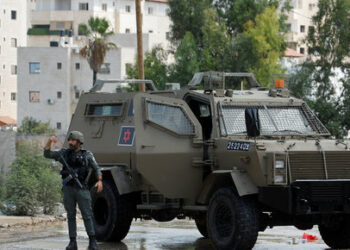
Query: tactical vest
x: 79, y: 162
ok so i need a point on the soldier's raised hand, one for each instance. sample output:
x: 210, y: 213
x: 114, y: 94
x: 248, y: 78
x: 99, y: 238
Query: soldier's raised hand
x: 53, y: 139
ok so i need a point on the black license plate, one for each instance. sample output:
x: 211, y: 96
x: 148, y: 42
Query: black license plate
x: 238, y: 146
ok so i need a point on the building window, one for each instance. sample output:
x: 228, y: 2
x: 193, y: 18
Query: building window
x: 83, y: 6
x: 13, y: 96
x: 128, y: 8
x: 150, y: 10
x: 59, y: 65
x: 34, y: 68
x: 13, y: 14
x: 14, y: 69
x: 60, y: 25
x: 106, y: 68
x: 128, y: 68
x: 59, y: 95
x: 300, y: 4
x: 3, y: 66
x: 302, y: 50
x: 58, y: 125
x: 150, y: 31
x: 14, y: 42
x: 77, y: 95
x: 77, y: 66
x: 34, y: 96
x: 289, y: 27
x: 127, y: 31
x: 302, y: 28
x: 104, y: 7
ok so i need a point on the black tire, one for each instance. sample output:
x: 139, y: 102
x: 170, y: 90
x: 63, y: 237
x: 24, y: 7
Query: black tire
x: 336, y: 235
x: 232, y: 222
x: 201, y: 223
x: 113, y: 213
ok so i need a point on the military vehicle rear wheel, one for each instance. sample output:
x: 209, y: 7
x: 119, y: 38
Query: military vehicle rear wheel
x: 113, y: 213
x: 201, y: 223
x: 232, y: 221
x: 336, y: 235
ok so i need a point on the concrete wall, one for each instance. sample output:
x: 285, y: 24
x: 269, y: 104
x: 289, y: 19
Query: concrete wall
x: 7, y: 149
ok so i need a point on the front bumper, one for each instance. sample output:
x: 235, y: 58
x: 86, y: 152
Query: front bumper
x: 308, y: 197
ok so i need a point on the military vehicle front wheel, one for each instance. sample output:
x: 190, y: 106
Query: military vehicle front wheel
x: 201, y: 223
x: 233, y: 222
x: 336, y: 235
x: 113, y: 213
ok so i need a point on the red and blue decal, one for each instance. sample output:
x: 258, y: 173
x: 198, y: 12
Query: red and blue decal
x: 127, y: 135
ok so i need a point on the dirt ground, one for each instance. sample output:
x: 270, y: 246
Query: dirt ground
x: 146, y: 235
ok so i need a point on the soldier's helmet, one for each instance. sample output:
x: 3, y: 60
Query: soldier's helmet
x: 76, y: 135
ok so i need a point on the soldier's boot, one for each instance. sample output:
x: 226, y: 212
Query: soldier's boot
x: 92, y: 243
x: 72, y: 244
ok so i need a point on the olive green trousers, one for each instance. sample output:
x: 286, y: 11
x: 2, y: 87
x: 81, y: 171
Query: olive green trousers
x: 71, y: 196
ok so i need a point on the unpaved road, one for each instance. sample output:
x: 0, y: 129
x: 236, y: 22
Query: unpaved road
x: 145, y: 235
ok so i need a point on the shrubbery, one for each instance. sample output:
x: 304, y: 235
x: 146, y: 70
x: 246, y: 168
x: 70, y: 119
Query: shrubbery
x: 32, y: 182
x: 31, y: 126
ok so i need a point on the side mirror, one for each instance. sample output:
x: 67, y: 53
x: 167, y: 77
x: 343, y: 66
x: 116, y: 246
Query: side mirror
x: 252, y: 122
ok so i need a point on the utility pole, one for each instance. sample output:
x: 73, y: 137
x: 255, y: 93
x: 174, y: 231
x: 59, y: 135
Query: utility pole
x: 140, y: 45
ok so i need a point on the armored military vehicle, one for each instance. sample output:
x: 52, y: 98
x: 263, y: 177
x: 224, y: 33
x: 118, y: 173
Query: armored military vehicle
x: 234, y: 161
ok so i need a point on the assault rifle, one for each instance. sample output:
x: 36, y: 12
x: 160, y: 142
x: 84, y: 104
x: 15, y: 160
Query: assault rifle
x: 72, y: 175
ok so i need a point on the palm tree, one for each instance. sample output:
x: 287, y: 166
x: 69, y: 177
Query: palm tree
x: 97, y: 44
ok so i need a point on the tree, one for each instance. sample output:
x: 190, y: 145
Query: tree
x: 268, y: 45
x: 328, y: 53
x: 32, y: 126
x: 155, y: 67
x: 31, y: 182
x: 97, y: 46
x: 188, y: 16
x: 215, y: 40
x: 237, y: 13
x: 186, y: 61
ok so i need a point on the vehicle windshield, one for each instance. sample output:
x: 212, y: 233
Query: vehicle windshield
x: 273, y: 121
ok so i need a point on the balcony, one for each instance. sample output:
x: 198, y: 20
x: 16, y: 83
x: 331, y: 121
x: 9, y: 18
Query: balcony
x: 45, y: 17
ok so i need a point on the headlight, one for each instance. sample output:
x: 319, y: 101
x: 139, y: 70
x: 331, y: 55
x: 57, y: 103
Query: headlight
x: 280, y: 173
x: 279, y: 178
x: 279, y: 164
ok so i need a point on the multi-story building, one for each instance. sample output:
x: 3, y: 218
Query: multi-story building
x: 51, y: 79
x: 52, y: 16
x: 299, y: 22
x: 38, y: 23
x: 14, y: 23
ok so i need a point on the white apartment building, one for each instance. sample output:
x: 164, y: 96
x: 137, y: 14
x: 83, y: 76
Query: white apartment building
x: 14, y: 23
x: 52, y: 16
x: 38, y: 23
x: 299, y: 22
x: 51, y: 79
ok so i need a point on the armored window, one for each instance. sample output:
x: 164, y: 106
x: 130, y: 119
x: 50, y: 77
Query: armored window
x: 273, y: 121
x: 172, y: 118
x: 104, y: 109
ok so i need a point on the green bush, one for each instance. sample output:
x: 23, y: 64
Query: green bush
x: 31, y: 126
x: 32, y: 182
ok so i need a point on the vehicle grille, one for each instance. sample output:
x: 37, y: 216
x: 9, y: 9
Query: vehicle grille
x: 327, y: 193
x: 310, y: 165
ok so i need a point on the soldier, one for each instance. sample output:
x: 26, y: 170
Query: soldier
x: 82, y: 162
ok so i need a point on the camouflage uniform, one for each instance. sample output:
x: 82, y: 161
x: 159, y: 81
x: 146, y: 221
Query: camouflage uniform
x: 81, y: 161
